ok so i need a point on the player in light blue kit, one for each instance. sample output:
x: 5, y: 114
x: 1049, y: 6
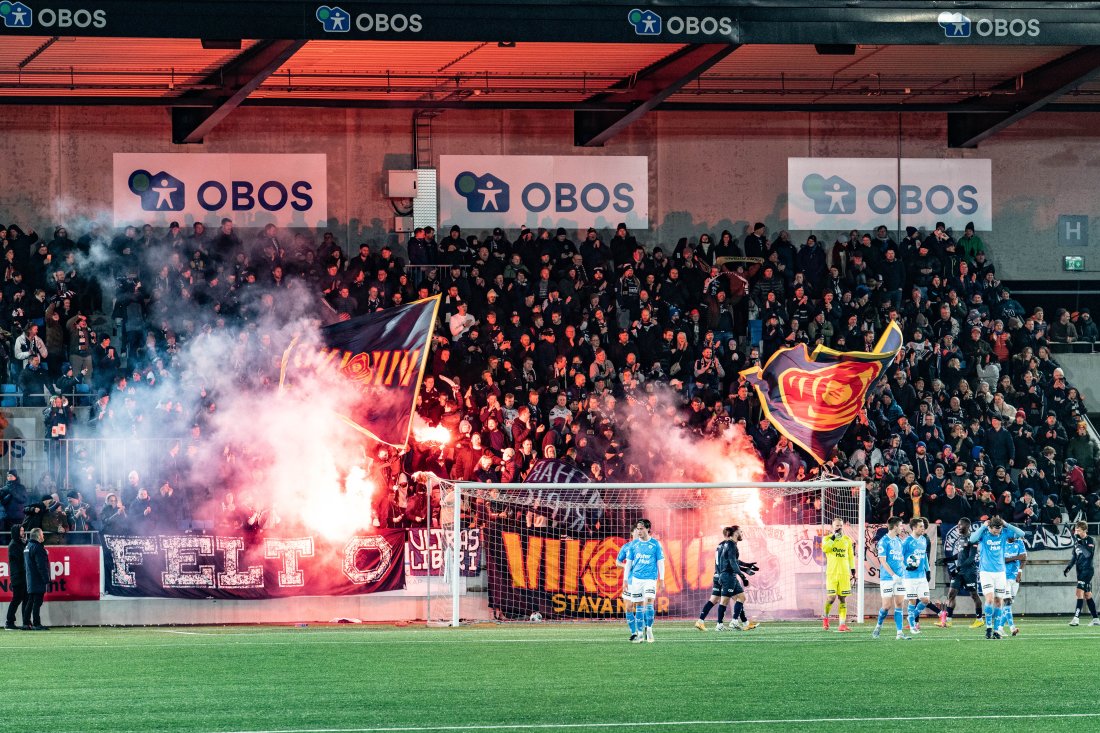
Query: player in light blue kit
x: 918, y: 575
x: 645, y: 567
x: 992, y: 538
x: 628, y: 604
x: 1015, y: 559
x: 891, y: 568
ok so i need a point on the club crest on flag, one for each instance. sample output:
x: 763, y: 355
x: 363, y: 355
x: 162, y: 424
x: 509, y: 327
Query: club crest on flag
x: 813, y: 398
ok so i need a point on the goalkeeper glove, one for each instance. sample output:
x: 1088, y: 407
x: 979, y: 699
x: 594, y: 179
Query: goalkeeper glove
x: 1066, y: 572
x: 928, y: 575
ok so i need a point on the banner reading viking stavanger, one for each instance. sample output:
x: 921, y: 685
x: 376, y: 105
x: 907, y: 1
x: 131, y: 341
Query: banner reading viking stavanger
x: 383, y: 355
x: 813, y: 398
x: 234, y: 567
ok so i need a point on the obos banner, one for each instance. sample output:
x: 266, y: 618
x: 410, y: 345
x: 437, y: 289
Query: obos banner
x: 862, y: 193
x: 252, y: 190
x: 74, y: 573
x: 575, y: 191
x: 235, y: 567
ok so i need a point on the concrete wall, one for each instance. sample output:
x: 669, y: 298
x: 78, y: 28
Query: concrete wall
x: 708, y: 171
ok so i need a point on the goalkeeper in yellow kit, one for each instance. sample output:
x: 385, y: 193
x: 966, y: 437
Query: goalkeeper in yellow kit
x: 840, y: 572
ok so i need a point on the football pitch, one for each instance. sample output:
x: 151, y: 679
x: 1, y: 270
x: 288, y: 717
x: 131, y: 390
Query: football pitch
x: 548, y: 677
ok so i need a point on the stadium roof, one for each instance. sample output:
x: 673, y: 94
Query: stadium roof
x: 768, y: 55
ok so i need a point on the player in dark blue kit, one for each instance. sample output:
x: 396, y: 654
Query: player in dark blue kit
x: 1084, y: 547
x: 729, y: 580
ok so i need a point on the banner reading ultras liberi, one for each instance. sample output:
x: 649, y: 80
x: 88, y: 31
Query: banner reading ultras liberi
x: 382, y: 356
x: 235, y: 567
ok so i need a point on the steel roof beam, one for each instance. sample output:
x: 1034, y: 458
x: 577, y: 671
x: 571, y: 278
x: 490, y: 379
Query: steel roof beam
x: 1033, y: 90
x: 646, y: 90
x: 237, y: 79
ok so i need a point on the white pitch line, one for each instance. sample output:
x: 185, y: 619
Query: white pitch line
x: 677, y: 723
x: 186, y: 633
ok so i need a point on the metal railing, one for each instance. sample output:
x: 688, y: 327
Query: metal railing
x: 52, y: 464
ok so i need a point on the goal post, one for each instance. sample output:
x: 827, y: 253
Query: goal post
x: 548, y: 549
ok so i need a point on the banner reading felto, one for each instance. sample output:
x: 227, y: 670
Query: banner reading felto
x: 382, y: 356
x: 813, y: 398
x: 240, y: 568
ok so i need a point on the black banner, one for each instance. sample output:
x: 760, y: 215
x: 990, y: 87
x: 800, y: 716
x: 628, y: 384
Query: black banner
x: 700, y: 21
x: 382, y: 356
x: 232, y: 567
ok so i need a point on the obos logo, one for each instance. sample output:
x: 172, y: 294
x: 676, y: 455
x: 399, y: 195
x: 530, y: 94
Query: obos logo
x: 164, y: 192
x: 835, y: 195
x: 648, y: 23
x: 957, y: 25
x: 335, y: 19
x: 19, y: 15
x: 489, y: 193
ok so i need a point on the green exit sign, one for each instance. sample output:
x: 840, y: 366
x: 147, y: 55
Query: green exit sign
x: 1073, y: 263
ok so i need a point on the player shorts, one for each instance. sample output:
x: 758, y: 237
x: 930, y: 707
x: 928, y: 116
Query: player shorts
x: 641, y: 590
x: 961, y: 584
x: 1085, y: 585
x: 838, y: 585
x: 1013, y: 589
x: 727, y: 585
x: 995, y: 583
x: 892, y: 587
x: 916, y: 588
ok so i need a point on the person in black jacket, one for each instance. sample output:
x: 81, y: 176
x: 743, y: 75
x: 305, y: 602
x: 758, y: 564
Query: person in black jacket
x: 17, y: 580
x: 37, y: 566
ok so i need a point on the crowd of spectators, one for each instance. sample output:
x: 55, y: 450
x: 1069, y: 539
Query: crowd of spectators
x: 549, y: 347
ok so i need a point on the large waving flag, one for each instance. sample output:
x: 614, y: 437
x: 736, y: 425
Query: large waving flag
x: 813, y: 398
x: 381, y: 356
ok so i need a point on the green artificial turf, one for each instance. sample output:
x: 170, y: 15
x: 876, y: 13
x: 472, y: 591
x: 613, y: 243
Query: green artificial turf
x: 544, y: 677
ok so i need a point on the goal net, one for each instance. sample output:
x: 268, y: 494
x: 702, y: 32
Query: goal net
x: 547, y: 551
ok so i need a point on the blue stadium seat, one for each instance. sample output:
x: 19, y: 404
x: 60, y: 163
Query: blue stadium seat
x: 9, y: 396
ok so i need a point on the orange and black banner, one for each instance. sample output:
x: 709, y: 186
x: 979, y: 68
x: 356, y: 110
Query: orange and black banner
x: 382, y: 357
x: 813, y: 398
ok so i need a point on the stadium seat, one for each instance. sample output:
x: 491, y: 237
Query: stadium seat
x: 9, y: 396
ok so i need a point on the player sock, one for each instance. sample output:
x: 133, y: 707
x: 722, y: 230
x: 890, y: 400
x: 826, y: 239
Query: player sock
x: 741, y: 614
x: 1092, y: 606
x: 828, y: 608
x: 997, y: 615
x: 738, y: 610
x: 882, y: 615
x: 1080, y: 604
x: 842, y: 612
x: 897, y: 618
x: 933, y: 608
x: 950, y: 611
x: 631, y: 621
x: 721, y: 612
x: 706, y: 611
x: 650, y: 613
x: 911, y: 614
x: 989, y: 615
x: 1007, y: 616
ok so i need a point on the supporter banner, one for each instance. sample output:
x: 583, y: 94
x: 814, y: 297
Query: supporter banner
x: 383, y: 356
x: 862, y: 193
x: 202, y: 566
x: 558, y: 576
x: 74, y: 573
x: 427, y: 550
x: 252, y: 190
x: 575, y: 191
x: 813, y: 398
